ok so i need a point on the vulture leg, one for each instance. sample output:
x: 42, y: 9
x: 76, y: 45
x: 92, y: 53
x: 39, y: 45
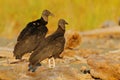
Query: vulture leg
x: 30, y: 68
x: 51, y: 63
x: 23, y: 66
x: 33, y: 67
x: 53, y: 60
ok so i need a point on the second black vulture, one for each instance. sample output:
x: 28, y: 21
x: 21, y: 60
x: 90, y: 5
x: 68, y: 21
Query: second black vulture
x: 31, y: 35
x: 52, y: 46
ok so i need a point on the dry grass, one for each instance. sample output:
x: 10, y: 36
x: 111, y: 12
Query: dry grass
x: 80, y: 14
x: 73, y: 39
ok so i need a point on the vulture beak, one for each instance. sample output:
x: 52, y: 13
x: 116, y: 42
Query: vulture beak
x: 66, y: 23
x: 51, y: 14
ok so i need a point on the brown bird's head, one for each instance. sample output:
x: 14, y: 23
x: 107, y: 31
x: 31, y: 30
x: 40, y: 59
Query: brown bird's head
x: 46, y: 14
x: 62, y: 23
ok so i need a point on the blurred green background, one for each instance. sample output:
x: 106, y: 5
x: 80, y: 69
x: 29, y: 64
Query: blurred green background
x: 81, y: 14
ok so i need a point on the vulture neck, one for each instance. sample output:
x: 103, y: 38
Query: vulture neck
x: 45, y: 18
x: 60, y: 30
x: 43, y: 21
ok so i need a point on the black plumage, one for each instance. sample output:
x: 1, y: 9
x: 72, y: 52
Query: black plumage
x: 31, y: 35
x: 52, y: 46
x: 32, y: 28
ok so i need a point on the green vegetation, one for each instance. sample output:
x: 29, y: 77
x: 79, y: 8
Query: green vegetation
x: 80, y: 14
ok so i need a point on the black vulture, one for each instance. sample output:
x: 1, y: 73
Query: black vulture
x: 31, y: 35
x: 52, y: 46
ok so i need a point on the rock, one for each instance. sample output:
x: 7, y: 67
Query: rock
x: 80, y: 52
x: 85, y: 77
x: 104, y: 68
x: 87, y: 52
x: 84, y: 70
x: 68, y: 53
x: 72, y: 55
x: 6, y: 75
x: 69, y: 70
x: 114, y: 55
x: 58, y: 73
x: 108, y: 24
x: 63, y: 72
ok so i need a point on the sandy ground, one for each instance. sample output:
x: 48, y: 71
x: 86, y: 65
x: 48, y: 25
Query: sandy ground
x: 71, y: 67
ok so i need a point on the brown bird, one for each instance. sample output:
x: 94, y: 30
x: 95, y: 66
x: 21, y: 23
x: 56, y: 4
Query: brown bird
x: 52, y: 46
x: 32, y: 35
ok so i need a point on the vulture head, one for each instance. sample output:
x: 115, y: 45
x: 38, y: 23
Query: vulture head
x: 46, y: 14
x: 62, y: 23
